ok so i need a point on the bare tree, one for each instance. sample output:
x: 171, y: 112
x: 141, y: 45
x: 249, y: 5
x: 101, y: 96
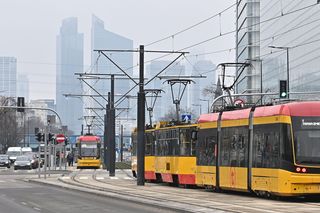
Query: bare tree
x: 9, y: 126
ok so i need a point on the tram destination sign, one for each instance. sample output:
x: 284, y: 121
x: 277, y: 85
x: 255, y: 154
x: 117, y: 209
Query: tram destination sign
x: 310, y: 124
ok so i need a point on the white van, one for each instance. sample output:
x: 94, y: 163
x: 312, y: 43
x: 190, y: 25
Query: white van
x: 26, y: 150
x: 13, y: 152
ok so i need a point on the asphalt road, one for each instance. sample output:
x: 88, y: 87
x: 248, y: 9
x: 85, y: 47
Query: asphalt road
x: 22, y: 197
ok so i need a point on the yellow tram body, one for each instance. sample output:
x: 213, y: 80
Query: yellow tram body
x: 296, y: 180
x: 88, y: 156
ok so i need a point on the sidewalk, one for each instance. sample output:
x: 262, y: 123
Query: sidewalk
x: 124, y: 187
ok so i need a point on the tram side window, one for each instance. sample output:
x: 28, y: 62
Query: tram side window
x: 167, y: 143
x: 234, y: 146
x: 206, y: 146
x: 174, y: 142
x: 266, y: 146
x: 286, y: 143
x: 149, y: 144
x: 185, y: 142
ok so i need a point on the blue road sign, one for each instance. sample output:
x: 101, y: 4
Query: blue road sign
x: 186, y: 117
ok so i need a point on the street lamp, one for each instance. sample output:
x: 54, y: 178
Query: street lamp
x: 89, y: 121
x: 207, y: 100
x: 288, y: 79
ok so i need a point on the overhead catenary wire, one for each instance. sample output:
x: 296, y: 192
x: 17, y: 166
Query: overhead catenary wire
x: 191, y: 27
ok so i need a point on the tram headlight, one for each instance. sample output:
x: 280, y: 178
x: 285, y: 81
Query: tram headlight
x: 299, y: 169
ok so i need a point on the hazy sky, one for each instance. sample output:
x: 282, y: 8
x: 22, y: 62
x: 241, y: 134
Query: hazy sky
x: 29, y: 29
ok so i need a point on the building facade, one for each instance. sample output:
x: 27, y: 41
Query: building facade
x: 69, y: 61
x: 104, y: 39
x: 295, y: 26
x: 8, y: 76
x: 248, y: 47
x: 266, y: 29
x: 23, y: 87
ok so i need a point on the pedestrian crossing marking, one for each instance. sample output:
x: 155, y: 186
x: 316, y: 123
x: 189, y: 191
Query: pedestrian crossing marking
x: 128, y: 178
x: 64, y: 178
x: 114, y: 178
x: 83, y: 178
x: 99, y: 178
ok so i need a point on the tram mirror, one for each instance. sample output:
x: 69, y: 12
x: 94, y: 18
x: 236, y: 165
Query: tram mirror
x: 194, y: 135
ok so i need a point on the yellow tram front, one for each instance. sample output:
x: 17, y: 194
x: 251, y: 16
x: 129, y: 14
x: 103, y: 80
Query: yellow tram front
x: 88, y: 156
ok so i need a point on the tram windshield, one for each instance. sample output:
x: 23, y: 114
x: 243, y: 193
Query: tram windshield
x: 307, y: 141
x: 89, y: 149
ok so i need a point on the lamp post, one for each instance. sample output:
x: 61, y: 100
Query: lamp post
x: 89, y: 120
x: 288, y: 79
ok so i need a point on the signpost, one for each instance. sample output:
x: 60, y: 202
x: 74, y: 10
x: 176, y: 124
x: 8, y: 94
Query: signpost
x: 186, y: 118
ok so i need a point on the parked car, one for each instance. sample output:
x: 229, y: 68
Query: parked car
x: 4, y: 161
x: 25, y: 162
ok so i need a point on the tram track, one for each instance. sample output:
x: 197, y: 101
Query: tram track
x: 212, y: 204
x: 82, y: 183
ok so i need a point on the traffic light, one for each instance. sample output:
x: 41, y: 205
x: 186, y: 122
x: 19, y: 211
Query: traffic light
x: 20, y: 103
x: 40, y: 136
x: 283, y: 89
x: 50, y: 136
x: 66, y: 141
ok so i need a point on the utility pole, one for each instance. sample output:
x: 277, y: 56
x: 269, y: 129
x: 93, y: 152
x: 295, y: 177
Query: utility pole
x: 141, y: 121
x: 121, y: 143
x: 288, y: 67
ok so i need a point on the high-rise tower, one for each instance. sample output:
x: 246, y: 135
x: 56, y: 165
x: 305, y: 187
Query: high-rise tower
x: 8, y: 76
x: 69, y: 61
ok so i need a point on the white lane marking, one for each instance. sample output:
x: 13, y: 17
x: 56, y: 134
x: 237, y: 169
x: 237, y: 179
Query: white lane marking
x: 13, y: 181
x: 127, y: 178
x: 65, y: 178
x: 29, y: 171
x: 1, y: 181
x: 83, y: 178
x: 23, y: 203
x: 15, y: 171
x: 114, y: 178
x: 36, y: 208
x: 99, y: 178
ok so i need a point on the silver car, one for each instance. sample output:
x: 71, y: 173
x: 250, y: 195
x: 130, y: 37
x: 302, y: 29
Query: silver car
x: 23, y: 162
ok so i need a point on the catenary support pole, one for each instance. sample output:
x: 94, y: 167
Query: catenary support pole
x: 121, y: 142
x: 108, y: 131
x: 112, y: 132
x: 141, y: 122
x: 105, y: 160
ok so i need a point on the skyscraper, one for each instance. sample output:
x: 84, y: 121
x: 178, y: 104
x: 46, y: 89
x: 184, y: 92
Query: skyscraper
x: 23, y: 86
x: 248, y: 46
x: 69, y: 61
x: 104, y: 39
x: 197, y: 97
x: 8, y: 76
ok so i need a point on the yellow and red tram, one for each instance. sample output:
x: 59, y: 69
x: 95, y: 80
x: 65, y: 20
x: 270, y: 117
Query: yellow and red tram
x: 88, y: 152
x: 268, y: 150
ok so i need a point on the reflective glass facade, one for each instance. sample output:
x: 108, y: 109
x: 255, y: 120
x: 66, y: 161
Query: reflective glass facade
x: 8, y: 76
